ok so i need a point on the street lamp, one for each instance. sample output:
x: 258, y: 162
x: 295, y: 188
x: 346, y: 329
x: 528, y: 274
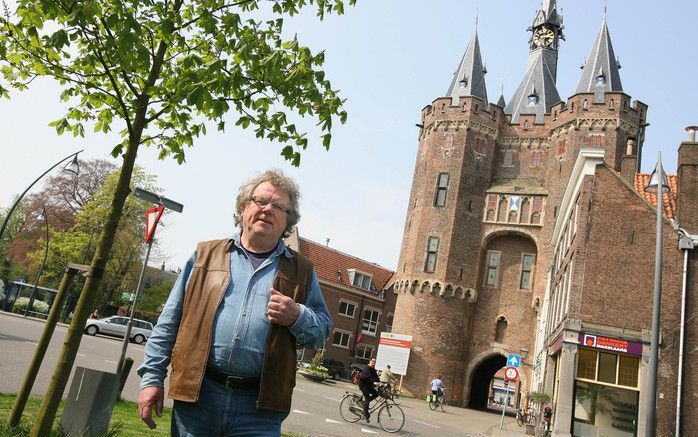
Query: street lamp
x: 657, y: 184
x: 43, y: 216
x: 73, y: 167
x: 524, y: 353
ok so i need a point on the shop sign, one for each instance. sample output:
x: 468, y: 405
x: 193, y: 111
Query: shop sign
x: 611, y: 344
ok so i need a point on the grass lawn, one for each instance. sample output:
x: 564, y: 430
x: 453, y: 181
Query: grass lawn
x: 124, y: 423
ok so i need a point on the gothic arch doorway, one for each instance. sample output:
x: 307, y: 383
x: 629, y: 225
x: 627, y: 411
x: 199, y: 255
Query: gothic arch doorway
x: 481, y: 378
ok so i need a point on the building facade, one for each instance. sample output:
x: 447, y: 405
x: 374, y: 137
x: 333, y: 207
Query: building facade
x: 528, y: 231
x: 358, y: 298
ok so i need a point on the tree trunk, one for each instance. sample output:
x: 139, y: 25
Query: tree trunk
x: 47, y: 412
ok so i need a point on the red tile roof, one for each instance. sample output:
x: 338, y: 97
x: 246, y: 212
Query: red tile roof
x: 328, y: 262
x: 668, y: 200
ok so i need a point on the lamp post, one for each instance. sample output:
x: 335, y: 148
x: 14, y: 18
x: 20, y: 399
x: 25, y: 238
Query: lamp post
x: 657, y: 184
x: 43, y: 216
x: 73, y: 167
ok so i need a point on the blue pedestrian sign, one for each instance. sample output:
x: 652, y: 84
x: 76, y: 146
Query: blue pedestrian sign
x: 513, y: 360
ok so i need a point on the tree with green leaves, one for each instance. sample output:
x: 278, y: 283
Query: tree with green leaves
x: 159, y: 71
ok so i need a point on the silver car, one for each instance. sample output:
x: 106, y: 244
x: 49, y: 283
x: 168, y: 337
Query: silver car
x: 116, y: 326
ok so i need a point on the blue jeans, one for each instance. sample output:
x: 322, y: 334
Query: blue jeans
x: 222, y: 412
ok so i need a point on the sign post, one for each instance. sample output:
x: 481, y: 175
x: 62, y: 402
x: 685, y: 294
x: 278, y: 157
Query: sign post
x: 510, y: 374
x: 152, y: 217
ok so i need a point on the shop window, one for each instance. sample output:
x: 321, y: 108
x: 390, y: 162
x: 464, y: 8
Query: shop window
x: 604, y: 410
x: 607, y: 367
x: 586, y: 365
x: 432, y: 251
x: 627, y: 370
x: 441, y: 190
x: 492, y: 267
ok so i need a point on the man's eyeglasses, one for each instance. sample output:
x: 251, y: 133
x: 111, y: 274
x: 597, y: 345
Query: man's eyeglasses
x: 264, y: 201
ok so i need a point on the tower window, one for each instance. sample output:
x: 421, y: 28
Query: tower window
x: 561, y: 147
x: 492, y: 267
x: 600, y: 80
x: 596, y: 141
x: 463, y: 83
x: 507, y: 157
x: 441, y: 189
x: 500, y: 328
x: 532, y: 99
x: 527, y: 262
x: 432, y: 250
x: 536, y: 159
x: 479, y: 146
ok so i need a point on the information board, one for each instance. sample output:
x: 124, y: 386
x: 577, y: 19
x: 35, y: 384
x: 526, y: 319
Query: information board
x: 394, y: 350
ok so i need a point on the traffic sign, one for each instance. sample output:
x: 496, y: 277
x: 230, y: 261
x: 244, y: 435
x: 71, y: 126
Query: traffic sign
x: 511, y: 374
x: 152, y: 216
x: 514, y: 360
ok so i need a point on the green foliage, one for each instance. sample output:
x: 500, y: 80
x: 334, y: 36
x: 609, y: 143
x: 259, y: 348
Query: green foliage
x: 165, y: 68
x: 16, y: 220
x: 21, y: 303
x: 539, y: 397
x: 154, y: 297
x: 77, y: 243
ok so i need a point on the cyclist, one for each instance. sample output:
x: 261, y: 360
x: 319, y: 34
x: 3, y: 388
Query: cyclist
x: 367, y: 384
x: 437, y: 387
x: 387, y: 377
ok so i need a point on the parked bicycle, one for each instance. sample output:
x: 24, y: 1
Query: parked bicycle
x: 525, y: 417
x: 390, y: 417
x: 436, y: 402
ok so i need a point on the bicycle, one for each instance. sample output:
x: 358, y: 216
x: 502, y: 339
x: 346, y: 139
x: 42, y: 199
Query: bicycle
x: 526, y: 417
x: 436, y: 402
x: 394, y: 394
x: 390, y: 417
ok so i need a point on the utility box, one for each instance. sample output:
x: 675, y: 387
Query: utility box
x: 90, y: 403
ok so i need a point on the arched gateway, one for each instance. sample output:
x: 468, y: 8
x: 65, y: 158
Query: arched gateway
x: 479, y: 381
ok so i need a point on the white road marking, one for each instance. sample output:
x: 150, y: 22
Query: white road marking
x: 31, y: 342
x: 331, y: 398
x: 368, y: 431
x: 427, y: 424
x: 82, y: 355
x: 111, y: 362
x: 332, y: 421
x: 299, y: 390
x: 299, y: 412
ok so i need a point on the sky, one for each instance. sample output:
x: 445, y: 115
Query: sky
x: 389, y: 58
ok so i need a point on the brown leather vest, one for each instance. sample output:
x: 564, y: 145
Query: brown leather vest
x: 208, y: 281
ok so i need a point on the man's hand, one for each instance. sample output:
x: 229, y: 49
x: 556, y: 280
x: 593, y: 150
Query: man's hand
x: 148, y: 398
x: 281, y: 309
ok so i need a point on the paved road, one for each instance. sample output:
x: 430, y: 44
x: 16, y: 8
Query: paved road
x: 315, y: 409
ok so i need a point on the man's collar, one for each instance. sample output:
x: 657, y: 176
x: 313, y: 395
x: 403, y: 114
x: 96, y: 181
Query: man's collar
x: 235, y: 241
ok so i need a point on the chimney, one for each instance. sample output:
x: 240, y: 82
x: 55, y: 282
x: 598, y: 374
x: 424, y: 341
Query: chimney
x: 628, y: 163
x: 687, y: 173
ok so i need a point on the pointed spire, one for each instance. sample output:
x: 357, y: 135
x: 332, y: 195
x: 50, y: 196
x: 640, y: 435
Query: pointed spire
x: 469, y: 78
x: 501, y: 102
x: 600, y: 73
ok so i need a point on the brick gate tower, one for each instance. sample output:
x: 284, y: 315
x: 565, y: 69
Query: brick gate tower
x: 488, y: 180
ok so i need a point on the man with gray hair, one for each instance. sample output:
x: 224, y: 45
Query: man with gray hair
x: 232, y: 322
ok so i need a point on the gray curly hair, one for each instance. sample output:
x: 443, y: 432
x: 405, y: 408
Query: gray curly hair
x: 282, y: 182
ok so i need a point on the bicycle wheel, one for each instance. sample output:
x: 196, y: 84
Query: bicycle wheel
x: 397, y: 397
x: 350, y: 409
x: 519, y: 418
x: 433, y: 405
x: 444, y: 404
x: 391, y: 418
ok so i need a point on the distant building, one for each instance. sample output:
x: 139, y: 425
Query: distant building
x: 528, y: 231
x: 357, y: 296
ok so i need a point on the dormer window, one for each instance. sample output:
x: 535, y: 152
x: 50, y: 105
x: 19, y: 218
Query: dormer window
x: 360, y: 279
x: 600, y: 80
x: 463, y: 83
x: 532, y: 99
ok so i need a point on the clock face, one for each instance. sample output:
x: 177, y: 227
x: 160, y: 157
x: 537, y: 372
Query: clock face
x: 543, y: 37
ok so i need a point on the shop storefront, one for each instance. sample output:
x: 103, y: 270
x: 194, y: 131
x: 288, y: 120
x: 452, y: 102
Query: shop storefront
x: 606, y: 387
